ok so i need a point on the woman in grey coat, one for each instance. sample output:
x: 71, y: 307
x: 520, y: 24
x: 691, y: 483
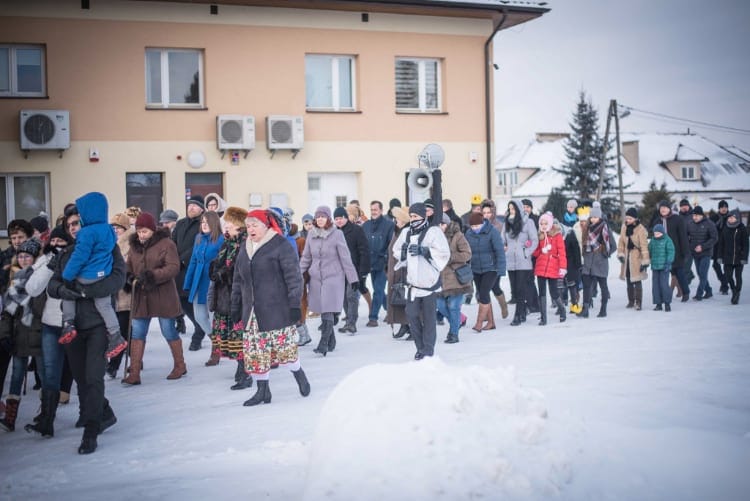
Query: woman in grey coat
x: 266, y: 293
x: 327, y: 260
x: 520, y: 238
x: 596, y: 247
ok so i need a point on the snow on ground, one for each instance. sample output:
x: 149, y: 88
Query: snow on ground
x: 640, y: 405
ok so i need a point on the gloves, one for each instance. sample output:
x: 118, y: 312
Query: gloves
x: 621, y: 259
x: 354, y: 286
x: 147, y: 280
x: 563, y: 272
x: 128, y: 287
x: 52, y: 263
x: 179, y: 324
x: 546, y: 249
x: 419, y: 250
x: 403, y: 252
x: 68, y: 294
x: 294, y: 315
x: 644, y: 267
x: 363, y: 286
x: 527, y: 244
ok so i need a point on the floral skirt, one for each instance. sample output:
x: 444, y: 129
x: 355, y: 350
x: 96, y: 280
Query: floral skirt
x: 262, y: 349
x: 225, y: 338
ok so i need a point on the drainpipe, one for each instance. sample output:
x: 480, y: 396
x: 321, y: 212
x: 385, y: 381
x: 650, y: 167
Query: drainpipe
x: 487, y: 108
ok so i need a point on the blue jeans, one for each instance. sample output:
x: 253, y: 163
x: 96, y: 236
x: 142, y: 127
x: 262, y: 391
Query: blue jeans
x: 19, y: 371
x: 53, y: 356
x: 378, y: 293
x: 168, y: 330
x: 200, y: 312
x: 450, y: 307
x: 701, y: 267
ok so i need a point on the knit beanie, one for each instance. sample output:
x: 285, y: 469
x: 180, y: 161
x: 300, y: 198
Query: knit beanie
x: 31, y: 247
x: 429, y: 203
x: 59, y: 232
x: 596, y: 212
x: 145, y: 220
x: 659, y: 228
x: 340, y: 212
x: 419, y: 209
x: 306, y: 217
x: 684, y: 201
x: 722, y: 203
x: 632, y: 213
x: 547, y: 216
x: 39, y: 223
x: 698, y: 210
x: 572, y: 204
x: 476, y: 218
x: 323, y: 211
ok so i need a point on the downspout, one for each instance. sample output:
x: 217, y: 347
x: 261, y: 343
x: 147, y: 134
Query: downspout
x: 487, y: 108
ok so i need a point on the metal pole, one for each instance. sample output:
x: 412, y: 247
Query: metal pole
x: 603, y: 161
x: 619, y: 162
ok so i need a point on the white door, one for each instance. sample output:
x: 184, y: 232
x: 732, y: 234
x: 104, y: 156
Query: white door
x: 330, y: 188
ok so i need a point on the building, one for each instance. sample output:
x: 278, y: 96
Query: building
x: 689, y: 165
x: 292, y: 104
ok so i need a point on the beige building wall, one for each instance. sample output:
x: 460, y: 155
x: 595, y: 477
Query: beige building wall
x: 253, y: 64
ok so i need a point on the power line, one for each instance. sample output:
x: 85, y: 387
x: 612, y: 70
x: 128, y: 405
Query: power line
x: 725, y: 128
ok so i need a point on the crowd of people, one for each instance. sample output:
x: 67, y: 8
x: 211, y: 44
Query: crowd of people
x: 77, y: 293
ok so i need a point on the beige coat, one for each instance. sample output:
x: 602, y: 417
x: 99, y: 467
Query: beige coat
x: 123, y: 298
x: 637, y: 256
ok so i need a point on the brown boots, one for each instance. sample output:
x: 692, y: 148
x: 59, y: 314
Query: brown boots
x: 503, y: 304
x: 484, y: 314
x: 137, y: 347
x: 179, y: 368
x: 8, y: 423
x: 215, y: 356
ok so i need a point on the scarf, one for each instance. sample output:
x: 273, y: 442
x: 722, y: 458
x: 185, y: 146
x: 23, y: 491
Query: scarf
x: 598, y: 234
x: 252, y: 247
x: 418, y: 225
x: 228, y: 252
x: 16, y: 296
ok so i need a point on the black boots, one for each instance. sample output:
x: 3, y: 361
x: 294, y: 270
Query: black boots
x: 404, y: 330
x: 45, y: 424
x: 326, y: 332
x: 735, y: 296
x: 244, y: 380
x: 638, y: 296
x: 560, y: 309
x: 543, y: 310
x: 631, y: 296
x: 302, y: 383
x: 88, y: 443
x: 262, y: 396
x: 603, y: 308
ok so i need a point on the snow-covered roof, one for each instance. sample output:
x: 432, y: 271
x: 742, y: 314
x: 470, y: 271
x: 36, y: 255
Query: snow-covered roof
x: 721, y: 168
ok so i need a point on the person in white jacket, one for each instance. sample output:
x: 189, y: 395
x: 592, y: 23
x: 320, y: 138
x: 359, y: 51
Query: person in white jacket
x: 424, y: 251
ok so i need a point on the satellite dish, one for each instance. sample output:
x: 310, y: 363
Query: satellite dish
x: 432, y: 156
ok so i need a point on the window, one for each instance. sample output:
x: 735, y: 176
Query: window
x: 204, y: 183
x: 24, y: 196
x: 509, y: 178
x: 688, y: 172
x: 174, y: 78
x: 144, y: 190
x: 341, y: 200
x: 329, y: 82
x: 22, y: 71
x: 418, y: 85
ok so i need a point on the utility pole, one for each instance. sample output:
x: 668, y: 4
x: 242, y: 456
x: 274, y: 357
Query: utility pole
x: 611, y: 112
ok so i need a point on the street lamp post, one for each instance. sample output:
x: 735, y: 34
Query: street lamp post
x: 611, y: 113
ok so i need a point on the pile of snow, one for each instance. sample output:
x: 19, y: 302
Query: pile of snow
x: 429, y: 430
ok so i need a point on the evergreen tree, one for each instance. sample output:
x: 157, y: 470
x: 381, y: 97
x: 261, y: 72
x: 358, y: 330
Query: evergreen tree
x: 556, y: 204
x: 651, y: 200
x: 583, y: 150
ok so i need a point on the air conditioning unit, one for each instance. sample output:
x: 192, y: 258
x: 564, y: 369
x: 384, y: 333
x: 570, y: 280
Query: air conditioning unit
x: 284, y: 132
x: 235, y: 132
x: 45, y: 129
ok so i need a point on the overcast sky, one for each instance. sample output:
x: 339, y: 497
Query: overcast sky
x: 684, y: 58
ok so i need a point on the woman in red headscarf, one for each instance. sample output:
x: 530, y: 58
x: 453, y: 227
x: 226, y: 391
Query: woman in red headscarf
x: 266, y: 295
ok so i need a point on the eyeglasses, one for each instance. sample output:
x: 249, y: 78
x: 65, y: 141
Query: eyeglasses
x: 76, y: 222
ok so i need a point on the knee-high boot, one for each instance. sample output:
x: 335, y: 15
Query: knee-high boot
x: 603, y: 308
x: 489, y: 317
x: 503, y: 304
x: 45, y: 425
x: 481, y: 316
x: 137, y: 347
x: 179, y: 368
x: 543, y: 310
x: 638, y: 295
x: 575, y: 308
x: 631, y: 296
x: 560, y: 309
x: 325, y: 332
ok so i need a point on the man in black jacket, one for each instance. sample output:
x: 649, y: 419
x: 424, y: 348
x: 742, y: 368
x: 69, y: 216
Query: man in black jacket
x: 356, y: 241
x: 702, y: 237
x: 720, y: 219
x: 183, y: 235
x: 677, y: 231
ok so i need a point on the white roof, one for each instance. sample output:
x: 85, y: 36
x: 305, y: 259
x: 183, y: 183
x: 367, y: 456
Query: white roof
x: 722, y: 168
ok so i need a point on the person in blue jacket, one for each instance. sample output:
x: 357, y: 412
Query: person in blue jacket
x: 90, y: 262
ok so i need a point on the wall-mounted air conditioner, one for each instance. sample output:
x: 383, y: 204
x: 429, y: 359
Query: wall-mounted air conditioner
x: 45, y: 129
x: 235, y: 132
x: 284, y: 132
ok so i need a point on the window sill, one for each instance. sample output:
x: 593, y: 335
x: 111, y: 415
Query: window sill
x: 351, y: 112
x: 407, y: 112
x: 23, y: 97
x: 176, y: 108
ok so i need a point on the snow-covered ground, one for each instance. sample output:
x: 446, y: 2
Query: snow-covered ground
x: 639, y: 405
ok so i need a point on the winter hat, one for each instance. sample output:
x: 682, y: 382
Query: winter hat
x: 596, y: 212
x: 395, y: 202
x: 59, y: 232
x: 20, y: 225
x: 429, y: 204
x: 735, y: 213
x: 476, y: 199
x: 547, y: 216
x: 196, y: 200
x: 632, y: 213
x: 145, y: 220
x: 306, y: 217
x: 722, y: 203
x: 323, y: 211
x: 31, y: 246
x: 698, y: 210
x: 168, y: 216
x: 476, y: 218
x: 121, y: 220
x: 526, y: 202
x: 133, y: 211
x: 419, y: 209
x: 236, y: 216
x: 663, y: 203
x: 659, y: 228
x: 401, y: 214
x: 572, y: 204
x: 446, y: 219
x: 583, y: 213
x: 684, y: 201
x: 339, y: 212
x: 39, y: 223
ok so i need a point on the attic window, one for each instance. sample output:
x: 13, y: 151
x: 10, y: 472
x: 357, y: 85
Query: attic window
x: 744, y: 166
x: 729, y: 168
x: 688, y: 172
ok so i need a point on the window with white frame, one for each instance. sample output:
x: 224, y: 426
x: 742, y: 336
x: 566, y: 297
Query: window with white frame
x: 174, y: 78
x: 418, y: 87
x: 22, y: 70
x: 24, y: 196
x: 329, y: 82
x: 688, y: 172
x: 509, y: 178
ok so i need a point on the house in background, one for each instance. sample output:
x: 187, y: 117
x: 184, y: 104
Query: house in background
x: 294, y: 104
x: 691, y: 166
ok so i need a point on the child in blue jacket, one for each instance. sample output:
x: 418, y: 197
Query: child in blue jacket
x: 90, y: 262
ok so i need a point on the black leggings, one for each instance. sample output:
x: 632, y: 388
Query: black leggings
x: 484, y: 282
x: 554, y: 285
x: 733, y: 274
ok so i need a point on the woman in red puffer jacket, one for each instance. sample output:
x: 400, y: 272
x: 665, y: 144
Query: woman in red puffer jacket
x: 551, y: 265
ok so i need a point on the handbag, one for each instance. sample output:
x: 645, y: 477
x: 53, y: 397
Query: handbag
x: 398, y: 294
x: 464, y: 275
